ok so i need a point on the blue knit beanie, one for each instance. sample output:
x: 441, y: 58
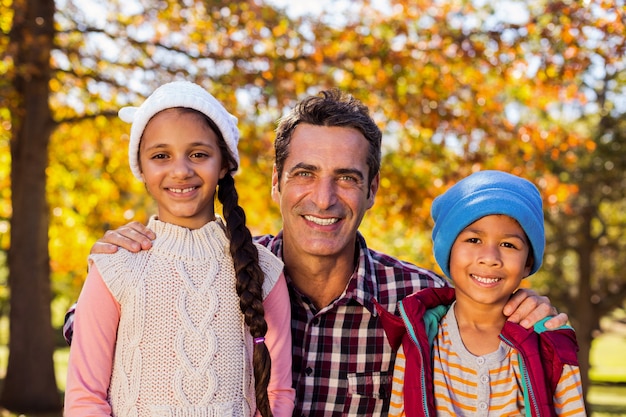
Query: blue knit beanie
x: 481, y: 194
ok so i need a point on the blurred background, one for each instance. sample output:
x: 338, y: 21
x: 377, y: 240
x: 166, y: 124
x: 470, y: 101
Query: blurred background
x: 535, y: 88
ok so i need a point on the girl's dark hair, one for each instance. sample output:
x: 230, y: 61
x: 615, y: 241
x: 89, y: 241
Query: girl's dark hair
x: 249, y: 274
x: 250, y: 277
x: 249, y: 285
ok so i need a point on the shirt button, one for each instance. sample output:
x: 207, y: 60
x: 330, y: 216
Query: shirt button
x: 308, y: 371
x: 484, y: 379
x: 480, y: 360
x: 482, y: 406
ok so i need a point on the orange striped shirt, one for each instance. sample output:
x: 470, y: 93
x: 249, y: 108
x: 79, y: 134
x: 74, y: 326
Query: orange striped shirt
x: 487, y: 385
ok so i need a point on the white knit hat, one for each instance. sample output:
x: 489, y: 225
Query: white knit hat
x: 179, y: 94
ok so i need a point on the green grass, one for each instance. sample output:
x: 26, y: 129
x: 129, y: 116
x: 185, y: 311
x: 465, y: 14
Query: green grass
x: 607, y: 394
x: 608, y: 360
x: 61, y: 357
x: 607, y: 400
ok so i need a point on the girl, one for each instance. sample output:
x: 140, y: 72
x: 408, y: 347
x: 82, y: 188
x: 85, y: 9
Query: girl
x: 188, y: 327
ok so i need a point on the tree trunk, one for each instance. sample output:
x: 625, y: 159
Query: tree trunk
x: 30, y: 384
x: 584, y: 333
x: 586, y: 314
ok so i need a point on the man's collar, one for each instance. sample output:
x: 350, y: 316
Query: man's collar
x: 362, y: 286
x: 365, y: 276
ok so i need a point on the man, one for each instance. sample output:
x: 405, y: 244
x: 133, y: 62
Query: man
x: 325, y: 178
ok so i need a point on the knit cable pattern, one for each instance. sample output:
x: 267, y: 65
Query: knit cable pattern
x: 183, y: 348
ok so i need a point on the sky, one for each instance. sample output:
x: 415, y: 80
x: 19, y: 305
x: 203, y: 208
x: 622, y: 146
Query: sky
x: 512, y: 11
x: 341, y: 8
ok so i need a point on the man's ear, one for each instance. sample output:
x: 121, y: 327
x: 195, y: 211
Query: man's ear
x: 373, y: 189
x: 275, y: 185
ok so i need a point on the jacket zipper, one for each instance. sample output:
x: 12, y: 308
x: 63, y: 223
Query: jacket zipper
x: 531, y: 394
x: 411, y: 333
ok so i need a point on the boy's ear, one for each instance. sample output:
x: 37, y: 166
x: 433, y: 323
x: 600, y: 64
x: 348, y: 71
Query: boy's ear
x: 530, y: 261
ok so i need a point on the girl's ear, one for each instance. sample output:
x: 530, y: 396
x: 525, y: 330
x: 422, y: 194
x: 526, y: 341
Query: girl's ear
x: 223, y: 171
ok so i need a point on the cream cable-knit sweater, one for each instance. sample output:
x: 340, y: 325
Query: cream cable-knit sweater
x: 182, y: 346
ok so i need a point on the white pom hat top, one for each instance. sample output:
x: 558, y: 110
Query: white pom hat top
x: 179, y: 94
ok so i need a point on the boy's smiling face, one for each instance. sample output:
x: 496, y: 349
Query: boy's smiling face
x: 489, y: 259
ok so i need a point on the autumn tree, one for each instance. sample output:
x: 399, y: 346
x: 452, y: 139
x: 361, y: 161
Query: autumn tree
x: 30, y: 373
x: 537, y: 91
x: 584, y: 64
x: 533, y: 88
x: 70, y: 72
x: 456, y: 86
x: 572, y: 117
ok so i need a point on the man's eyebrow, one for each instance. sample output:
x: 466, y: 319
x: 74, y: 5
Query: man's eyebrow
x: 339, y: 171
x: 350, y: 171
x: 302, y: 165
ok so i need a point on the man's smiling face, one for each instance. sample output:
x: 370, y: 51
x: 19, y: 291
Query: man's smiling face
x: 323, y: 191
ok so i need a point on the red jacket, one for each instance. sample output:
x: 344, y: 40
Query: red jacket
x: 543, y: 353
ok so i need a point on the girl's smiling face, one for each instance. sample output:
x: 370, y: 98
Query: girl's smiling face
x: 181, y: 163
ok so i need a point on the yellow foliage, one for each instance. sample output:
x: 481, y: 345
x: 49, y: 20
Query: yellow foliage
x: 438, y: 88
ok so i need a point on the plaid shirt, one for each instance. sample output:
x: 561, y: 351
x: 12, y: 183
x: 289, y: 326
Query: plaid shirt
x: 342, y: 362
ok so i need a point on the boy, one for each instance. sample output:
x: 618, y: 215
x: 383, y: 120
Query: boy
x: 458, y: 353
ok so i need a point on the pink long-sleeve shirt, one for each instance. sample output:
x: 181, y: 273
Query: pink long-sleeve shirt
x: 95, y: 335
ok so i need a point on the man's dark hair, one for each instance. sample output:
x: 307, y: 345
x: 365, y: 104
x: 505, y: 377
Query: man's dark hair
x: 329, y: 108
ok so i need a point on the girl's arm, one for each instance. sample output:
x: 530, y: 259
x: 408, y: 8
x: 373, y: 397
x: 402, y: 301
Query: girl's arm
x: 568, y: 398
x: 278, y: 340
x: 91, y: 353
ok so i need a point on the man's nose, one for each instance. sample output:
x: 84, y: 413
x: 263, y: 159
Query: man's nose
x: 325, y: 193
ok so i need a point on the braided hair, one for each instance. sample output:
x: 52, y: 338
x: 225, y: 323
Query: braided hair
x: 250, y: 279
x: 249, y: 275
